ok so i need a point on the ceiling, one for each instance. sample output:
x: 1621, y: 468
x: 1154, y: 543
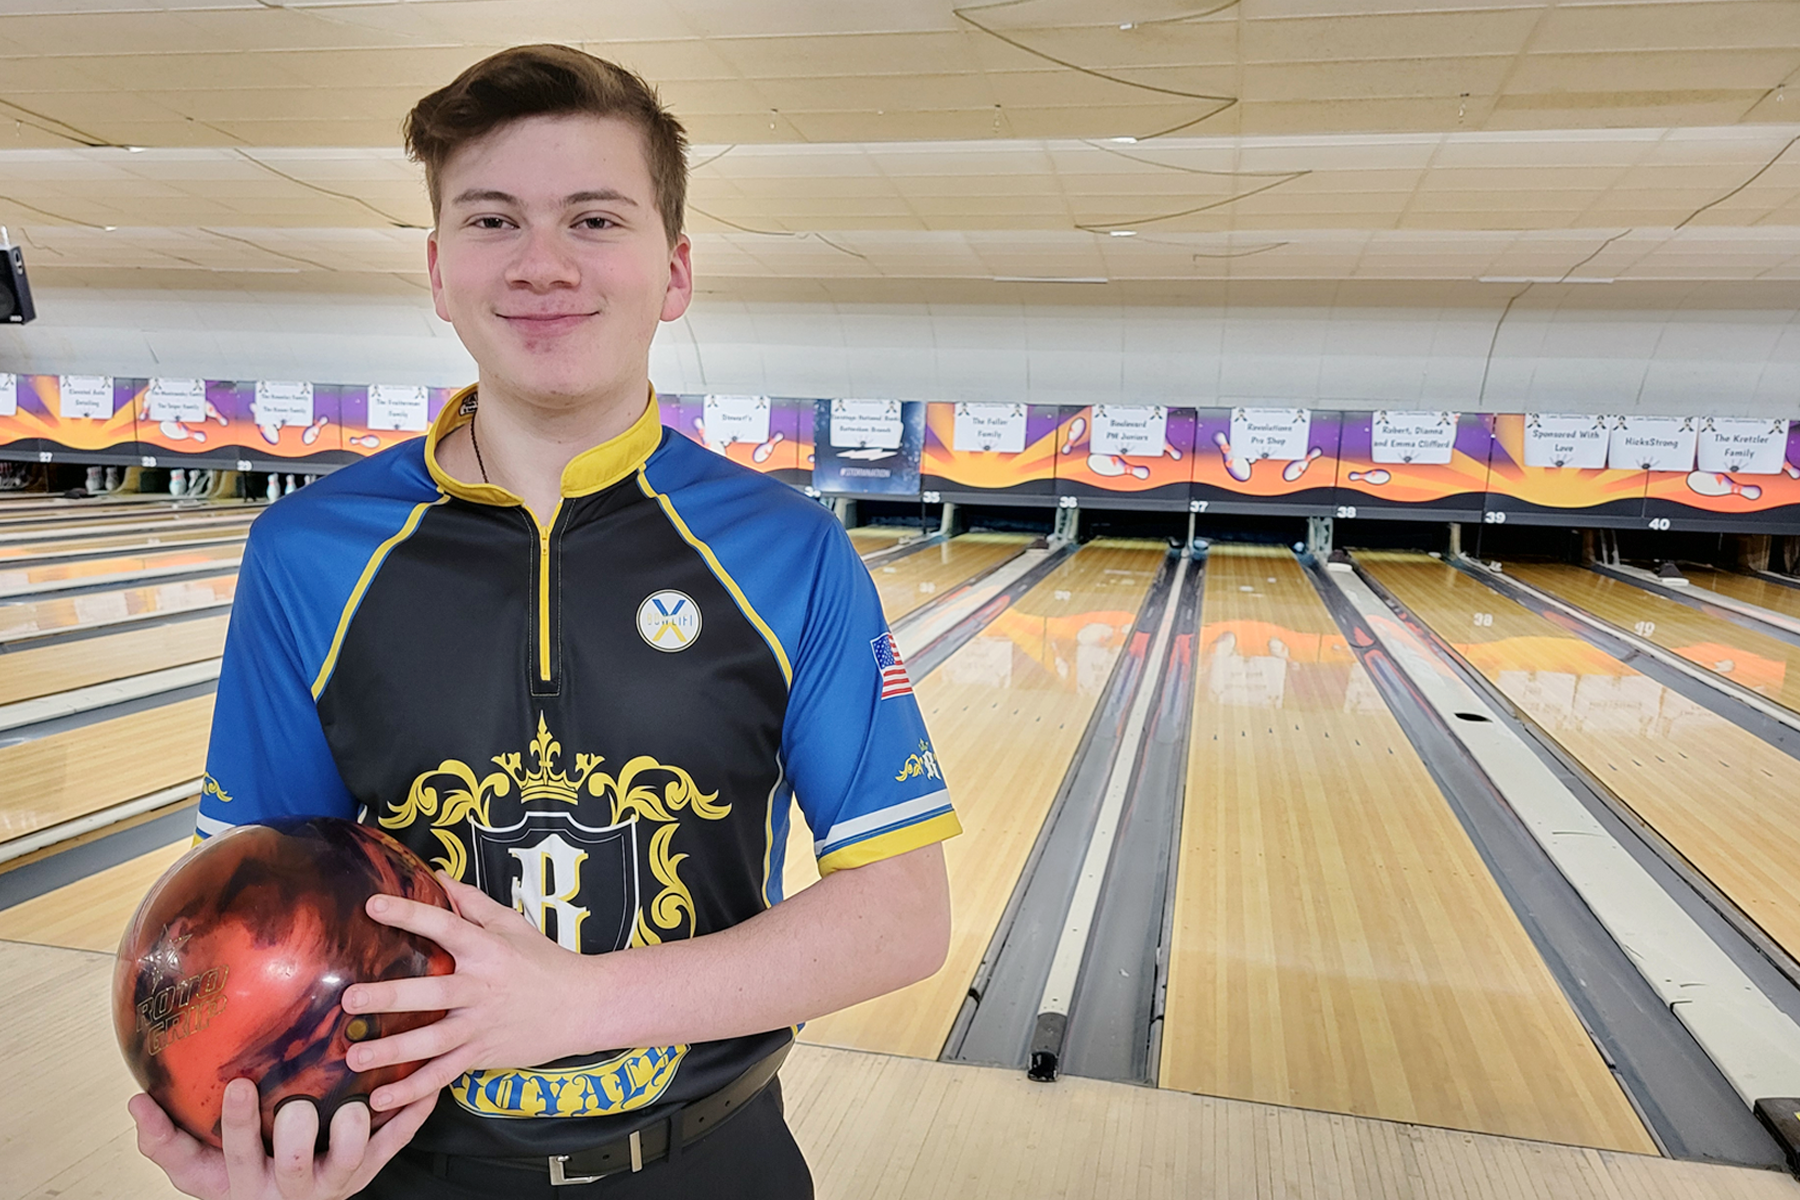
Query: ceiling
x: 251, y: 143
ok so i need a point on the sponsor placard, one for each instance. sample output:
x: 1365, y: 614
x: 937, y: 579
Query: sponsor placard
x: 84, y: 397
x: 733, y: 419
x: 1141, y: 429
x: 405, y: 409
x: 1421, y: 438
x: 1280, y: 434
x: 279, y: 404
x: 9, y: 395
x: 1652, y: 444
x: 1742, y: 445
x: 176, y: 400
x: 865, y: 424
x: 989, y: 428
x: 1566, y: 440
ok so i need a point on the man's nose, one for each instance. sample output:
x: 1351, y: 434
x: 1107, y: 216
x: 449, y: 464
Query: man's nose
x: 544, y: 260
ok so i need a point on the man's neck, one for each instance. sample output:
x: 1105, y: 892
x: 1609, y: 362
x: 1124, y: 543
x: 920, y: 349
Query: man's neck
x: 523, y: 446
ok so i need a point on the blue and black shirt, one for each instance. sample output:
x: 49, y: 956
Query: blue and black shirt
x: 600, y: 721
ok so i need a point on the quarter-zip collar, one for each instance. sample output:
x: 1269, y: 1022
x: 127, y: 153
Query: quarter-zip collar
x: 593, y: 470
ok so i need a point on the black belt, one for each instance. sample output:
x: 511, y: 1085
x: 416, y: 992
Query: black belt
x: 661, y: 1139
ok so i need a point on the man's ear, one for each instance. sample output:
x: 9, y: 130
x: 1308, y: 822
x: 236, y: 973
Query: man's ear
x: 437, y: 279
x: 681, y: 280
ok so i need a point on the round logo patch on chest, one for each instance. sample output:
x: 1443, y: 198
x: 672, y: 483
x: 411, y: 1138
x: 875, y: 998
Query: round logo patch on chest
x: 669, y: 620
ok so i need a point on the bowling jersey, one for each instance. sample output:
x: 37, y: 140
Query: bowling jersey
x: 600, y: 721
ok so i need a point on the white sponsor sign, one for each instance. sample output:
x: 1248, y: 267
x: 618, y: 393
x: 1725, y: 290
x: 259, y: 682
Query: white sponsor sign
x: 732, y: 419
x: 865, y: 424
x: 399, y: 408
x: 1141, y: 429
x: 278, y: 404
x: 89, y: 397
x: 1743, y: 445
x: 1280, y: 434
x: 984, y: 428
x: 9, y: 395
x: 1425, y: 438
x: 1653, y: 444
x: 176, y: 400
x: 1565, y: 440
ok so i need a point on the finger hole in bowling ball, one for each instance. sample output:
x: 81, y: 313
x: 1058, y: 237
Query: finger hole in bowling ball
x: 361, y: 1029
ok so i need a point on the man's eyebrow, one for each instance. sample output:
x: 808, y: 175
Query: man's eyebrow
x: 495, y: 196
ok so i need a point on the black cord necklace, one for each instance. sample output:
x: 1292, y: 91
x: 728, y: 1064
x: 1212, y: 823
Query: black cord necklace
x: 473, y: 441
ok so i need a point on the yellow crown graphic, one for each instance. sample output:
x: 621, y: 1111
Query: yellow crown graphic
x: 545, y: 781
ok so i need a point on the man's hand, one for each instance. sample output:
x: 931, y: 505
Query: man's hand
x: 242, y: 1171
x: 507, y: 1004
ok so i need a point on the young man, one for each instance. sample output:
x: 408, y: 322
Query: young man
x: 581, y: 666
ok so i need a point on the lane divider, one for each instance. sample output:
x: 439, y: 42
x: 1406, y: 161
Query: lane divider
x: 104, y: 695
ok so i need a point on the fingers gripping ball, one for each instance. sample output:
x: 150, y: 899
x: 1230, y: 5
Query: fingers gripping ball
x: 236, y: 963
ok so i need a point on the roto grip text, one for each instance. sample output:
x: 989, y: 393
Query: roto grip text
x: 182, y: 1009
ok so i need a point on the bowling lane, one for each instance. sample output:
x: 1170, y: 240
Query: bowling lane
x: 870, y: 538
x: 1006, y: 714
x: 100, y: 570
x: 216, y: 518
x: 25, y: 674
x: 24, y: 618
x: 91, y: 913
x: 125, y: 543
x: 66, y: 775
x: 1754, y: 660
x: 916, y: 580
x: 1338, y: 943
x: 1722, y: 797
x: 1761, y: 592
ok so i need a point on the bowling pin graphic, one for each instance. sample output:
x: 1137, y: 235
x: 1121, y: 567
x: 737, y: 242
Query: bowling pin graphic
x: 1374, y: 478
x: 175, y: 431
x: 213, y: 414
x: 1297, y: 468
x: 762, y: 452
x: 1713, y: 483
x: 311, y: 433
x: 1114, y: 465
x: 1790, y: 470
x: 367, y: 441
x: 1236, y: 465
x: 270, y: 434
x: 1077, y: 428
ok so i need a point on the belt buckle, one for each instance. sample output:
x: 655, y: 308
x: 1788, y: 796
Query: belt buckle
x: 558, y: 1179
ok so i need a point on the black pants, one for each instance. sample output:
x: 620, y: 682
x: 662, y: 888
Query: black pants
x: 752, y: 1156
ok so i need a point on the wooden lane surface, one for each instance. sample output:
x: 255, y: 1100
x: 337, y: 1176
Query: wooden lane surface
x: 1338, y: 943
x: 1763, y: 664
x: 1722, y: 797
x: 913, y: 581
x: 91, y: 913
x: 199, y: 557
x: 124, y: 543
x: 59, y: 614
x: 877, y: 1127
x: 870, y: 538
x: 130, y: 523
x: 25, y: 674
x: 1773, y: 596
x: 66, y: 775
x: 1006, y: 713
x: 49, y: 523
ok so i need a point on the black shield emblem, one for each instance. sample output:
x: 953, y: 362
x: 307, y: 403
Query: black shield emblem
x: 577, y: 884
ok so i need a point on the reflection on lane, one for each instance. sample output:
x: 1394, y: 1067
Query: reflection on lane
x: 105, y: 608
x: 55, y: 572
x: 1753, y: 660
x: 147, y: 543
x: 915, y: 580
x: 1721, y: 796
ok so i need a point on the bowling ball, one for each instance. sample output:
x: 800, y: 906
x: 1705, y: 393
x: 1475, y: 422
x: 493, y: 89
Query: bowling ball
x: 236, y: 963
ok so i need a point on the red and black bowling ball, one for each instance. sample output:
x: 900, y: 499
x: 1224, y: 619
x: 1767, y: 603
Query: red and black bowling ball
x: 236, y: 963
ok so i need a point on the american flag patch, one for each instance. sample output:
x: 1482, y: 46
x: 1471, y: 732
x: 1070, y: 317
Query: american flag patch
x: 893, y: 672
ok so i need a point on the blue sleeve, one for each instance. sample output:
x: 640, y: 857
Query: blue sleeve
x: 267, y: 757
x: 854, y: 741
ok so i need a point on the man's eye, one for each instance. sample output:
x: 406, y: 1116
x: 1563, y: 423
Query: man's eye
x: 490, y: 222
x: 596, y: 222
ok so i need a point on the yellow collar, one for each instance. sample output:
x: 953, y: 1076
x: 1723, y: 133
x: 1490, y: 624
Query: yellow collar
x: 593, y: 470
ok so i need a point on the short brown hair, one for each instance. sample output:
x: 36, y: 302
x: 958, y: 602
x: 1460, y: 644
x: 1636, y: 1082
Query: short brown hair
x: 549, y: 81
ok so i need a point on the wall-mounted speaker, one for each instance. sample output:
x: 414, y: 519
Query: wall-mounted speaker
x: 15, y: 291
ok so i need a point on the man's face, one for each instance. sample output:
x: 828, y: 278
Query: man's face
x: 551, y: 260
